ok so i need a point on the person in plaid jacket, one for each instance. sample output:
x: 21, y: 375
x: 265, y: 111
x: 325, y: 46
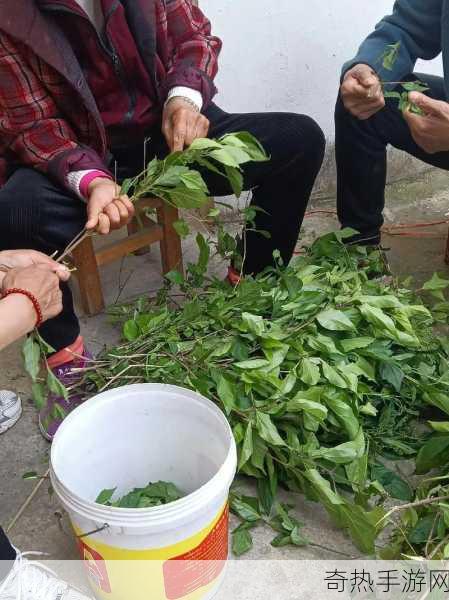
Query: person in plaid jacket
x: 82, y: 84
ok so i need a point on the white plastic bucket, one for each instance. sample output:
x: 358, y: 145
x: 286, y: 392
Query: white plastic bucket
x: 126, y: 438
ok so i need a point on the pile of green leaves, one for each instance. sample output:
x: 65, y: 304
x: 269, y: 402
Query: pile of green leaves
x: 154, y: 494
x: 321, y: 370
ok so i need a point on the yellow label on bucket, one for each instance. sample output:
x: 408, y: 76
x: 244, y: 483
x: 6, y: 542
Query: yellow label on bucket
x: 187, y: 570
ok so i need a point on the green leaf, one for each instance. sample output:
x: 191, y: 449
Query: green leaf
x: 226, y: 393
x: 182, y: 228
x: 203, y: 259
x: 182, y: 197
x: 57, y: 412
x: 298, y: 539
x: 244, y: 510
x: 38, y: 395
x: 265, y: 495
x: 259, y: 452
x: 300, y: 404
x: 253, y: 323
x: 423, y: 529
x: 392, y: 374
x: 131, y: 330
x: 224, y: 157
x: 437, y: 399
x: 235, y: 179
x: 344, y: 413
x: 267, y: 430
x: 335, y: 320
x: 434, y: 453
x: 392, y: 483
x: 310, y: 372
x: 282, y: 539
x: 386, y: 301
x: 332, y: 376
x: 247, y: 448
x: 395, y: 95
x: 390, y: 56
x: 32, y: 355
x: 440, y: 426
x: 30, y: 475
x: 193, y: 181
x: 369, y: 409
x: 356, y: 343
x: 343, y: 453
x: 246, y: 140
x: 242, y: 542
x: 378, y: 318
x: 171, y: 176
x: 126, y: 186
x: 105, y: 496
x: 415, y: 86
x: 56, y: 386
x: 322, y: 343
x: 175, y: 277
x: 253, y: 363
x: 436, y: 285
x: 204, y: 144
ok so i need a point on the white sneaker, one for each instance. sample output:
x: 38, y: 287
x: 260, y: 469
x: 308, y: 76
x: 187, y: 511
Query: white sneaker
x: 29, y: 580
x: 10, y: 410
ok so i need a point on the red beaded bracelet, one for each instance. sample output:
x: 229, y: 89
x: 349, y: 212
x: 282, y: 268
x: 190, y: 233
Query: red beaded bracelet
x: 32, y: 298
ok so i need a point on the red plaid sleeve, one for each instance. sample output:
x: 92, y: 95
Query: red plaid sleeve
x: 195, y: 50
x: 29, y: 123
x: 31, y: 128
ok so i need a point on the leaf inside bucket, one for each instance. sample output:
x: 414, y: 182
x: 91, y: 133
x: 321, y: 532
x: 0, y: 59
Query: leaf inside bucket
x: 154, y: 494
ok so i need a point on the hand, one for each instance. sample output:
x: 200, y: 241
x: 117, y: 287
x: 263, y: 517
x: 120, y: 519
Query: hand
x: 42, y: 282
x: 106, y: 209
x: 431, y: 130
x: 26, y: 258
x: 182, y: 124
x: 361, y: 92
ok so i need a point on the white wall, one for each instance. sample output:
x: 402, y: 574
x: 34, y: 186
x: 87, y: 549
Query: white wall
x: 286, y: 54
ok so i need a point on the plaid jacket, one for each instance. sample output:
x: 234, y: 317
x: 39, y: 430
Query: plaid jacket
x: 49, y: 119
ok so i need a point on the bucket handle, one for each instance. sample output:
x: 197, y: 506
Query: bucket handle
x: 100, y: 529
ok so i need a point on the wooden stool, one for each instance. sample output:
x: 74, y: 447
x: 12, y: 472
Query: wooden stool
x: 87, y: 261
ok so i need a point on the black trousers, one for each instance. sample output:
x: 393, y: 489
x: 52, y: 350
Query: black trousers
x: 36, y: 213
x: 361, y: 154
x: 7, y: 554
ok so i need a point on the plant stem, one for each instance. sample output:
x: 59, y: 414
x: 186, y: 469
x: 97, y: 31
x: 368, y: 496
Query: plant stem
x: 28, y: 501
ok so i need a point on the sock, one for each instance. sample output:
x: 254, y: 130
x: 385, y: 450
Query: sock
x: 233, y: 276
x: 67, y: 354
x: 7, y: 555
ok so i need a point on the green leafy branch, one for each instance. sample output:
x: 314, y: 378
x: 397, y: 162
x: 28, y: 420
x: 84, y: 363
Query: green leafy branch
x: 176, y: 180
x: 388, y: 59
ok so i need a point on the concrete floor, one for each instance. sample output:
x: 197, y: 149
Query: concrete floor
x: 22, y: 448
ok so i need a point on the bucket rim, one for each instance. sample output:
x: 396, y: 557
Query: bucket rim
x: 152, y: 515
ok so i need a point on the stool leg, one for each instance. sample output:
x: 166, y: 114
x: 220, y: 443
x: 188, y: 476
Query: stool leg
x: 171, y: 249
x: 88, y: 278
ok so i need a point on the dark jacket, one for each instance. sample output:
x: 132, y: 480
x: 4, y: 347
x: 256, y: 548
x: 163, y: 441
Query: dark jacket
x: 422, y: 28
